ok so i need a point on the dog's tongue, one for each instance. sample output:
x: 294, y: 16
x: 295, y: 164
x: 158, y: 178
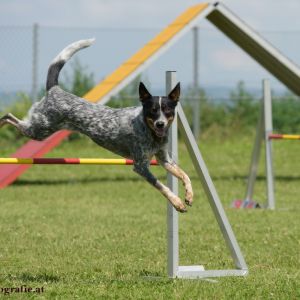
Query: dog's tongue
x: 160, y: 132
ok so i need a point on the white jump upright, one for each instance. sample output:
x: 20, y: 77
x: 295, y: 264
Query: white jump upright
x: 173, y: 243
x: 268, y: 143
x: 263, y: 131
x: 196, y: 271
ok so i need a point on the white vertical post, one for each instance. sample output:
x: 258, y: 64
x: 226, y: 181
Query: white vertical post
x: 172, y: 214
x: 268, y: 143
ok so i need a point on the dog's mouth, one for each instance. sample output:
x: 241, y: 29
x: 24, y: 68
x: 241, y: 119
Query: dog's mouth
x: 159, y: 129
x: 160, y: 132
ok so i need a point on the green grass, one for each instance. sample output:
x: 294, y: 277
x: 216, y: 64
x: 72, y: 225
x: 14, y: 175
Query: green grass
x: 93, y: 232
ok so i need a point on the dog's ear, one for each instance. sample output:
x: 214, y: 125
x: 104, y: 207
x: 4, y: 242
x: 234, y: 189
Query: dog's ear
x: 175, y: 93
x: 144, y: 94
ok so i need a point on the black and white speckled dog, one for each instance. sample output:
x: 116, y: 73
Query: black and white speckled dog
x: 138, y: 133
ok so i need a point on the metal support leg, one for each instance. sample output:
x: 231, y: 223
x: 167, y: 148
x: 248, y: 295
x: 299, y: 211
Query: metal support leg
x: 263, y: 130
x: 255, y: 157
x: 216, y: 206
x: 268, y: 144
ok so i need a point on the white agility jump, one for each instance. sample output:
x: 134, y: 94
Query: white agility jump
x: 174, y: 269
x: 264, y: 131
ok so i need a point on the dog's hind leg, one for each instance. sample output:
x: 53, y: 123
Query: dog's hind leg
x: 142, y: 168
x: 9, y: 119
x: 12, y: 120
x: 167, y: 163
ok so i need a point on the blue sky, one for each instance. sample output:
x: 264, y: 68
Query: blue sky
x: 221, y: 62
x: 261, y: 14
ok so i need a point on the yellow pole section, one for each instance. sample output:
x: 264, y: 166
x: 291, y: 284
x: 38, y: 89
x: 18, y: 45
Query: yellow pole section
x: 290, y: 137
x: 16, y: 161
x: 102, y: 161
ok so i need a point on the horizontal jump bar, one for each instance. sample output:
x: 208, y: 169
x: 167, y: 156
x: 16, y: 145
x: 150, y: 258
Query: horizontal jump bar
x: 69, y: 161
x: 284, y: 136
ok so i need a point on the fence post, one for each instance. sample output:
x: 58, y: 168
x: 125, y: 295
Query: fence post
x: 35, y: 42
x: 195, y: 101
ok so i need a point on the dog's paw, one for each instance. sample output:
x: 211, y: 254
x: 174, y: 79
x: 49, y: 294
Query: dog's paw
x: 174, y: 200
x: 189, y: 203
x: 177, y: 203
x: 181, y: 209
x: 189, y: 197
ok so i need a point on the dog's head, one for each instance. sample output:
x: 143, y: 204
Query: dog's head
x: 158, y: 111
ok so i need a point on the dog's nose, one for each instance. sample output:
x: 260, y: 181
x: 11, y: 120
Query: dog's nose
x: 160, y: 124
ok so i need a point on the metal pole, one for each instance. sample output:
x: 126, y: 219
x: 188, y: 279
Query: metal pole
x: 35, y: 33
x: 196, y: 101
x: 255, y: 156
x: 172, y: 214
x: 268, y: 143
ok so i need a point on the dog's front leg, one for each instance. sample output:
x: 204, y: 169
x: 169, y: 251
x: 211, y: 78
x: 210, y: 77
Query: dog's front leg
x: 142, y: 168
x: 165, y: 160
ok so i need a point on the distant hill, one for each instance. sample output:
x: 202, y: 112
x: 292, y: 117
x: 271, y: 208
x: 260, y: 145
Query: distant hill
x: 216, y: 93
x: 224, y: 92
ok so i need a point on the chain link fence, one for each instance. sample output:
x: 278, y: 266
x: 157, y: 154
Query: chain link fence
x: 25, y: 54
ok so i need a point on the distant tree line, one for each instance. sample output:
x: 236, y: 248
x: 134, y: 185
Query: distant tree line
x: 218, y: 118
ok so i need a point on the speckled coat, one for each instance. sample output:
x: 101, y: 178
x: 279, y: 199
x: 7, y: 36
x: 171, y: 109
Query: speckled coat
x: 122, y: 131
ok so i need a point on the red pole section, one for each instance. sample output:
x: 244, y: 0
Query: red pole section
x: 153, y: 162
x: 275, y: 136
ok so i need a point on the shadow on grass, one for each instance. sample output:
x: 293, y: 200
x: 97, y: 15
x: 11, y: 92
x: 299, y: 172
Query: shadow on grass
x: 259, y: 178
x: 151, y: 275
x: 24, y: 182
x: 144, y: 277
x: 40, y: 277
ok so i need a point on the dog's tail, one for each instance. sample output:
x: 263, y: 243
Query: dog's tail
x: 62, y: 58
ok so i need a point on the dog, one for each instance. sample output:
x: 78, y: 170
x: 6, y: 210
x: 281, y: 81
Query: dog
x: 138, y: 133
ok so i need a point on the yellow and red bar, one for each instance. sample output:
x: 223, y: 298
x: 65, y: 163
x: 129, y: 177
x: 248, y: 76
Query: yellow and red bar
x: 284, y: 136
x: 69, y: 161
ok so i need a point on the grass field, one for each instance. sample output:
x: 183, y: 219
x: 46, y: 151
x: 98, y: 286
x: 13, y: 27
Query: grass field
x: 92, y: 232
